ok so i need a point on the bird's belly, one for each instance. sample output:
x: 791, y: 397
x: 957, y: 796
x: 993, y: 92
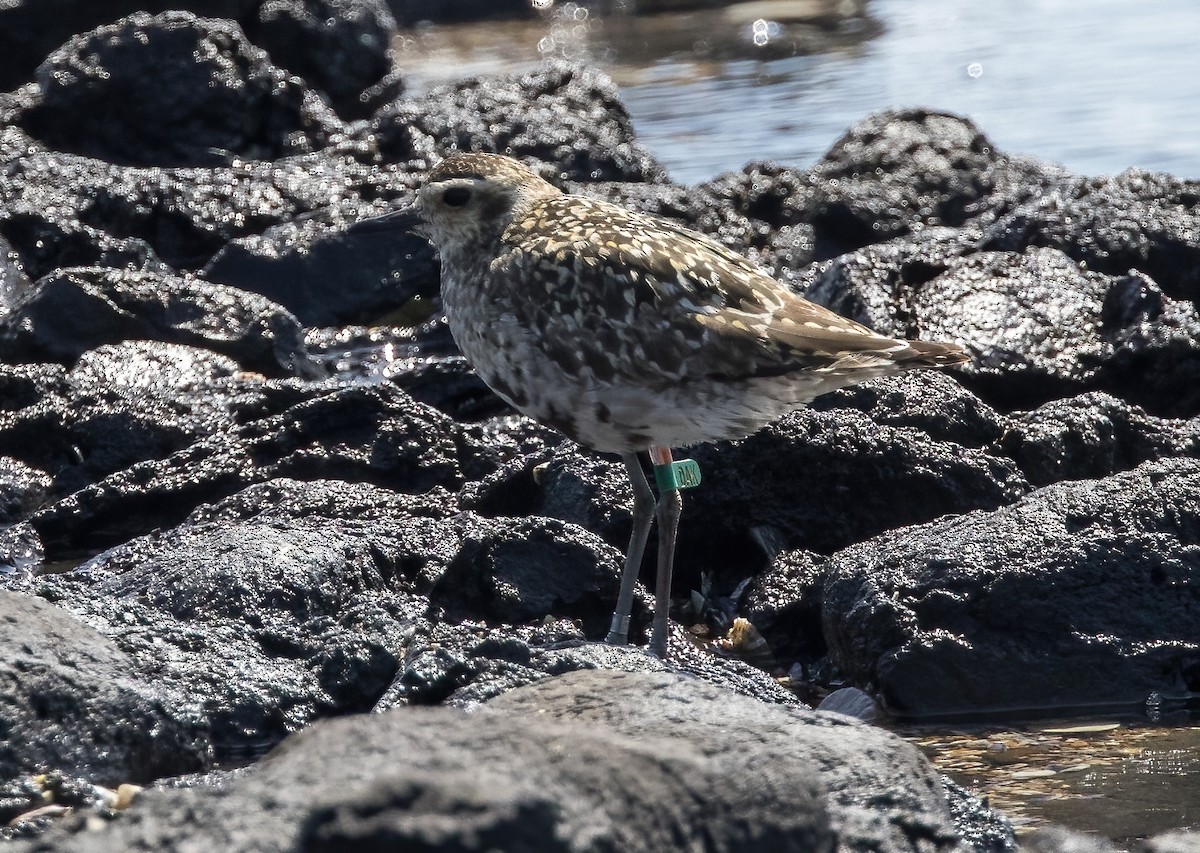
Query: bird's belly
x: 618, y: 417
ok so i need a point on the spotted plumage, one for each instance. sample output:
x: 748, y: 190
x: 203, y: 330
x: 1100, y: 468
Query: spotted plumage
x: 628, y: 332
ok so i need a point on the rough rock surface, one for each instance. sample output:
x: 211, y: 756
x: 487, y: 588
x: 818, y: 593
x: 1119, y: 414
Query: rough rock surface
x: 71, y: 700
x: 586, y: 761
x: 1100, y: 575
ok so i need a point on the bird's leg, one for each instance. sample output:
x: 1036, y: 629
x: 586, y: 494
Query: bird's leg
x: 643, y: 517
x: 670, y: 507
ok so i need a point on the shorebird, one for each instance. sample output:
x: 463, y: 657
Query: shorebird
x: 629, y: 333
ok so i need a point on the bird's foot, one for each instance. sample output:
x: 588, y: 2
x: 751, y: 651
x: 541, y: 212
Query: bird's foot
x: 618, y: 633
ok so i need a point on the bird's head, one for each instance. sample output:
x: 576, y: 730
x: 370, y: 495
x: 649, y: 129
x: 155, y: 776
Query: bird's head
x: 467, y: 201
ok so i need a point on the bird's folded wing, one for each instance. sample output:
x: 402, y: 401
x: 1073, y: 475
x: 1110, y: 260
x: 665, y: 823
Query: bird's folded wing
x: 632, y: 298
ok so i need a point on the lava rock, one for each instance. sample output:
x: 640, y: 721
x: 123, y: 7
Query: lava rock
x: 327, y: 276
x: 816, y: 479
x: 207, y: 78
x: 127, y: 403
x: 859, y: 767
x: 1091, y: 436
x: 22, y: 489
x: 13, y: 280
x: 568, y: 118
x: 1134, y: 220
x: 698, y: 755
x: 1079, y: 595
x: 44, y: 240
x: 71, y: 700
x: 31, y: 29
x: 354, y: 433
x: 66, y: 210
x: 339, y: 47
x: 75, y: 310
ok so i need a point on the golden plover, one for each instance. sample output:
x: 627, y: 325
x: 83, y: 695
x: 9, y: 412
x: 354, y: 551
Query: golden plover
x: 629, y: 333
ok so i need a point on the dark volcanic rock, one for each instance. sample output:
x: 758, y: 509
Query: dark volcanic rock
x: 1080, y: 595
x: 525, y: 569
x: 75, y: 310
x: 784, y: 605
x: 706, y: 768
x: 1091, y: 436
x: 22, y: 489
x: 467, y: 663
x: 338, y: 46
x: 876, y: 285
x: 376, y: 435
x: 887, y: 176
x: 31, y: 29
x: 13, y: 280
x: 1156, y: 348
x: 1135, y: 220
x: 292, y: 601
x: 71, y: 700
x: 67, y: 210
x: 124, y: 404
x: 214, y: 97
x: 879, y: 792
x: 567, y: 117
x: 44, y: 240
x: 327, y: 276
x: 1037, y: 324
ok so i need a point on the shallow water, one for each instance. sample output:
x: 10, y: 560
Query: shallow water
x: 1121, y: 782
x: 1099, y: 87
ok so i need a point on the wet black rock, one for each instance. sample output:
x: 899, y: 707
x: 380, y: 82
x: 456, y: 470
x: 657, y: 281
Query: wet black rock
x: 13, y: 278
x: 307, y: 431
x: 339, y: 47
x: 1077, y: 596
x: 43, y: 240
x: 74, y: 310
x: 700, y: 755
x: 889, y: 175
x: 31, y: 29
x: 22, y: 489
x: 124, y: 404
x: 784, y: 604
x: 569, y: 118
x: 1037, y: 324
x: 71, y: 700
x: 172, y: 90
x: 327, y: 276
x: 1134, y: 220
x: 1091, y: 436
x: 66, y: 210
x: 847, y: 759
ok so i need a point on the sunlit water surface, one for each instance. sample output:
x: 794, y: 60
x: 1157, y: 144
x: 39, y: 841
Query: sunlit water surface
x: 1098, y: 86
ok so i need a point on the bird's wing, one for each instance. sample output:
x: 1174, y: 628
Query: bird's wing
x: 633, y: 298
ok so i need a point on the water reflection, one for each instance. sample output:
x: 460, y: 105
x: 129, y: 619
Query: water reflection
x: 1121, y: 782
x: 1099, y: 87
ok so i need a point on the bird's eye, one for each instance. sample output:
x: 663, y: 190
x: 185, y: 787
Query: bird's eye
x: 456, y: 196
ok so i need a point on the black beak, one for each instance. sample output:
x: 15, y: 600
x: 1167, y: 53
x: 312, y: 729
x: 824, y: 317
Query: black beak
x: 402, y: 219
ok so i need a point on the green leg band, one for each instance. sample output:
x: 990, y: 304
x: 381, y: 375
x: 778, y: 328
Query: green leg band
x: 683, y: 474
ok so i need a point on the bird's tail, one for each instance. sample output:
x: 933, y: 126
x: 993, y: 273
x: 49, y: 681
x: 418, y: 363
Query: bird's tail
x: 930, y: 353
